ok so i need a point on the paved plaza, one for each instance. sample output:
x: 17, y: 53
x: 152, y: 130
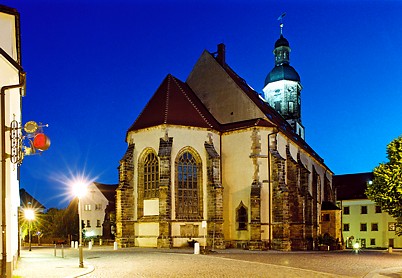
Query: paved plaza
x: 103, y: 262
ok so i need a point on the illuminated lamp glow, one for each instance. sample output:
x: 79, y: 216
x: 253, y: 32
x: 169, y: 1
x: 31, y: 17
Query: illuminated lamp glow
x: 29, y: 214
x: 41, y: 142
x: 80, y: 188
x: 89, y: 233
x: 356, y: 245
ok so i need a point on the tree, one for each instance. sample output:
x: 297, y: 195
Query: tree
x: 386, y: 188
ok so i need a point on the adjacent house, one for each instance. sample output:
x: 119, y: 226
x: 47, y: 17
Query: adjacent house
x: 27, y: 201
x: 97, y: 210
x: 12, y: 88
x: 363, y: 221
x: 210, y: 159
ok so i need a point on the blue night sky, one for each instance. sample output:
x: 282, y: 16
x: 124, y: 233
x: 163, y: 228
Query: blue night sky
x: 93, y: 65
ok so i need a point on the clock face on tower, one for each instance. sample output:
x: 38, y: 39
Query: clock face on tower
x: 277, y: 95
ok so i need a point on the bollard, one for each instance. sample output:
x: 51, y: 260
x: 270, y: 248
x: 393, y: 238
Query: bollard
x: 100, y: 242
x: 54, y: 253
x: 115, y: 245
x: 196, y: 248
x: 72, y: 244
x: 76, y: 245
x: 90, y: 245
x: 62, y: 250
x: 389, y: 249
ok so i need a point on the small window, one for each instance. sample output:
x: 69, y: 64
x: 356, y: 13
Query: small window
x: 378, y: 209
x: 346, y: 227
x: 290, y: 107
x: 87, y: 207
x: 363, y: 227
x: 278, y: 106
x: 372, y: 241
x: 98, y: 223
x: 242, y: 217
x: 391, y: 226
x: 363, y: 209
x: 98, y: 206
x: 346, y: 210
x: 325, y: 217
x: 374, y: 226
x: 88, y: 223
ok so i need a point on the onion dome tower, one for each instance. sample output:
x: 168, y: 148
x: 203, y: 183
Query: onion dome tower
x: 282, y: 85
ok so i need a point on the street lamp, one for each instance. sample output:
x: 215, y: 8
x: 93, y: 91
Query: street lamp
x: 29, y: 215
x: 80, y: 189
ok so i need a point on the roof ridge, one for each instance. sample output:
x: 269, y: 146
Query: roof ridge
x: 169, y: 77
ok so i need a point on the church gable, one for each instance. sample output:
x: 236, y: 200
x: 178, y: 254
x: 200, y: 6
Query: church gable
x: 174, y: 103
x: 219, y: 92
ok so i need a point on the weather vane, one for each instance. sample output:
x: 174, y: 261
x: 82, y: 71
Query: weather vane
x: 280, y: 18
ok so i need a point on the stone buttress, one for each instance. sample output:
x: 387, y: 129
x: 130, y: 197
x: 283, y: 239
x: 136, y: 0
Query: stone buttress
x: 165, y: 149
x: 125, y: 199
x: 215, y: 199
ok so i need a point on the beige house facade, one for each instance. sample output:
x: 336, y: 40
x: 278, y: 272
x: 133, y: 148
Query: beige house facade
x: 363, y: 221
x: 211, y: 160
x: 12, y: 84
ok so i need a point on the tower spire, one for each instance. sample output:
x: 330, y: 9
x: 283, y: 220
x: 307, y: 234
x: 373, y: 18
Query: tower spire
x: 280, y: 18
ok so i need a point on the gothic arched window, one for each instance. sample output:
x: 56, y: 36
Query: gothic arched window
x: 151, y: 176
x: 241, y: 217
x: 188, y: 186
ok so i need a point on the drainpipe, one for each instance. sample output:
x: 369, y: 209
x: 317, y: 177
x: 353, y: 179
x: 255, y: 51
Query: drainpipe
x: 269, y: 190
x: 4, y: 156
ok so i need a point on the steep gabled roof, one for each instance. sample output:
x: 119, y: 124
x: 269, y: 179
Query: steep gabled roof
x: 174, y: 103
x: 351, y: 186
x: 27, y: 200
x: 108, y: 190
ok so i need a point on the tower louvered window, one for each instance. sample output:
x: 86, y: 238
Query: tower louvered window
x: 151, y: 176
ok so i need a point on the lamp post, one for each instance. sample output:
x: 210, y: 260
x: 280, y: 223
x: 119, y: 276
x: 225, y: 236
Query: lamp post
x: 80, y: 190
x: 29, y: 215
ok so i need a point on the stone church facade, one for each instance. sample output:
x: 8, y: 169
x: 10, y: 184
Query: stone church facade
x: 211, y: 160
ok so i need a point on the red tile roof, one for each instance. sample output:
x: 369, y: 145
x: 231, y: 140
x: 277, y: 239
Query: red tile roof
x: 108, y: 190
x: 180, y: 106
x: 352, y: 186
x: 246, y: 124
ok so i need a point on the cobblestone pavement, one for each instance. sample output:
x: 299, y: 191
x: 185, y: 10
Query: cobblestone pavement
x: 104, y: 262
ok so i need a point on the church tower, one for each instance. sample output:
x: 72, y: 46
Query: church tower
x: 282, y: 86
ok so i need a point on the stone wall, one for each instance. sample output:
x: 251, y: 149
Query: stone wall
x: 125, y: 199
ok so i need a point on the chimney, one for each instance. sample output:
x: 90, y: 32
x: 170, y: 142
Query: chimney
x: 221, y: 54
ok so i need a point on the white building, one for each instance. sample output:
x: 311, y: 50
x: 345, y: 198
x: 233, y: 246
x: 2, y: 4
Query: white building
x: 362, y: 220
x: 94, y: 208
x: 12, y: 84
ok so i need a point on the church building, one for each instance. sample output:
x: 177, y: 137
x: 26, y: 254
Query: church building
x: 209, y: 159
